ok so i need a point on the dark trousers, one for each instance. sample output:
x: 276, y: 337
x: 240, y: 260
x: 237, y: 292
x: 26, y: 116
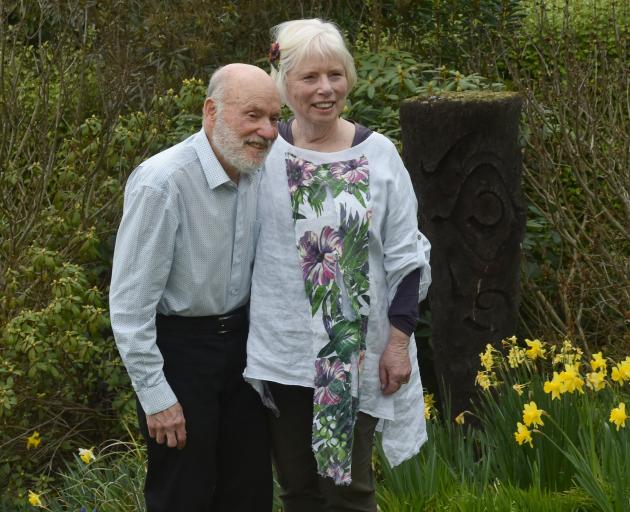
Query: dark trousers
x: 302, y: 489
x: 225, y: 465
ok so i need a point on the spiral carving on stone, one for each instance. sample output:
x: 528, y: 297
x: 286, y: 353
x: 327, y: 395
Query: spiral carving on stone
x: 471, y: 205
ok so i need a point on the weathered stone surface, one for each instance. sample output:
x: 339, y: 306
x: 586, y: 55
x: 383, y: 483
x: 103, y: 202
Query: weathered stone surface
x: 465, y: 162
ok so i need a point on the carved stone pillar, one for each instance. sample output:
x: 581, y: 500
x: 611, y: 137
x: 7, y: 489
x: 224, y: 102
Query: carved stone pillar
x: 462, y: 152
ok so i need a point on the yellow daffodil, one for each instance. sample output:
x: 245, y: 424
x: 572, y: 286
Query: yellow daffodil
x: 519, y: 388
x: 568, y: 354
x: 532, y: 414
x: 535, y: 350
x: 33, y: 440
x: 459, y: 419
x: 509, y: 341
x: 523, y: 435
x: 554, y: 386
x: 487, y: 361
x: 571, y: 378
x: 596, y: 380
x: 621, y: 372
x: 618, y: 416
x: 34, y: 499
x: 429, y: 406
x: 483, y: 381
x: 86, y: 455
x: 598, y: 362
x: 516, y: 356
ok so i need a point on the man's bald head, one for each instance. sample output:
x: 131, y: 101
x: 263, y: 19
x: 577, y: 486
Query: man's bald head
x: 228, y: 76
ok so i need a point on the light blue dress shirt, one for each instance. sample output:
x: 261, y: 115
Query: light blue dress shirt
x: 185, y: 247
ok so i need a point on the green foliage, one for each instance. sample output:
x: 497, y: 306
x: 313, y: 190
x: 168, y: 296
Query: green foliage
x: 570, y: 61
x: 147, y: 47
x: 113, y: 482
x: 495, y: 498
x: 388, y: 77
x: 579, y: 27
x: 575, y: 461
x: 459, y: 34
x: 60, y: 373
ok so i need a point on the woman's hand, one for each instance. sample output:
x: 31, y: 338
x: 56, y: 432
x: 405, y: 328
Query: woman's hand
x: 394, y: 368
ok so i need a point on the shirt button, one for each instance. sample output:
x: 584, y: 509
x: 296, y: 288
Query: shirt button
x: 233, y: 291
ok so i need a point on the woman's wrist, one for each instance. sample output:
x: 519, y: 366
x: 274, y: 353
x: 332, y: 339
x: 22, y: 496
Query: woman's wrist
x: 398, y: 338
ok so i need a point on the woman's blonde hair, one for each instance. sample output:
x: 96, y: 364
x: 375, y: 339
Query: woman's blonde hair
x: 299, y: 40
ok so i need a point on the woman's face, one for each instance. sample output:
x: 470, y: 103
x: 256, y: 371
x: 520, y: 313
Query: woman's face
x: 317, y: 90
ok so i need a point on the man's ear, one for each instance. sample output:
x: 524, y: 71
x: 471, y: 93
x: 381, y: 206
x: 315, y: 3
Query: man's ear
x: 210, y: 109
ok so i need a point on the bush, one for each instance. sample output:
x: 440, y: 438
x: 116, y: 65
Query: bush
x: 388, y: 77
x: 61, y: 190
x: 576, y: 161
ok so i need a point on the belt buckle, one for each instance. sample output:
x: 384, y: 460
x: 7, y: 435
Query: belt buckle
x: 222, y: 327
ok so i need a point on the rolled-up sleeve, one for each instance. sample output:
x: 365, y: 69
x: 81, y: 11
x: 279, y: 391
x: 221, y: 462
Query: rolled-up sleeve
x: 424, y: 249
x: 142, y: 261
x: 405, y: 247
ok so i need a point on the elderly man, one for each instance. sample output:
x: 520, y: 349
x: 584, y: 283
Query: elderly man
x: 180, y: 285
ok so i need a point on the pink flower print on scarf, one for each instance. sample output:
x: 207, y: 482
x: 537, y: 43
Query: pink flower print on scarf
x: 300, y: 173
x: 351, y: 171
x: 319, y: 255
x: 326, y: 373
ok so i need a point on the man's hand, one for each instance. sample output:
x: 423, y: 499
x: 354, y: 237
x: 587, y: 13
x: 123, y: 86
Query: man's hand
x: 394, y: 367
x: 168, y: 425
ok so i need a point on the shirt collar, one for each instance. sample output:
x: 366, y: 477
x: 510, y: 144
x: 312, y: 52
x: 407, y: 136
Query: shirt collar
x: 212, y: 168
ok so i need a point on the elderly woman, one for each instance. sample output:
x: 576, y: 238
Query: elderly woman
x: 339, y: 270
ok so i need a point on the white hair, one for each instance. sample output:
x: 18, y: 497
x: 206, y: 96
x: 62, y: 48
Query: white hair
x: 300, y: 40
x: 216, y: 88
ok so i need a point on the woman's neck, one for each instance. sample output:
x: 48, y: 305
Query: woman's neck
x: 328, y: 138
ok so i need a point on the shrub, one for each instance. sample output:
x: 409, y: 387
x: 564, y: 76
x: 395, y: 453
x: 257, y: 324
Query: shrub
x: 576, y: 161
x: 61, y: 190
x: 392, y: 75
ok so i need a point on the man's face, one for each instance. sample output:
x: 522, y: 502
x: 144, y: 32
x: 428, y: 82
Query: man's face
x: 243, y: 150
x: 244, y: 126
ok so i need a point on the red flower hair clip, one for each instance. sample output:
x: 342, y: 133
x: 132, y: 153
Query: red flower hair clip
x: 274, y: 55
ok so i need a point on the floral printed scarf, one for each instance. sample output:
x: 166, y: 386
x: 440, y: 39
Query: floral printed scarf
x: 333, y: 255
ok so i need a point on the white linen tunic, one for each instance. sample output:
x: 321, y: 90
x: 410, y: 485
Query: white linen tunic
x: 284, y: 338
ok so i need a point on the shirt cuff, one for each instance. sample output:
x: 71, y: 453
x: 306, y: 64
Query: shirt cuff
x: 403, y: 311
x: 156, y: 399
x: 404, y: 323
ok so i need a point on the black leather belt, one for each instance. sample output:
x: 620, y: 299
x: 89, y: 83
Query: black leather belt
x: 215, y: 324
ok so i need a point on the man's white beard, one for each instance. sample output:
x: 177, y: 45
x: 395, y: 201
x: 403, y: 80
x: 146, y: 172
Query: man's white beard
x: 232, y: 147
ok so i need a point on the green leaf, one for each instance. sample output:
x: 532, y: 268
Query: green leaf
x: 318, y: 298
